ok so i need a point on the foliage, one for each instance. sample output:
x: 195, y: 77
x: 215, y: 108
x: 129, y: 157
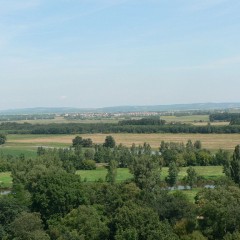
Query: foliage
x: 81, y: 128
x: 109, y: 142
x: 226, y: 116
x: 88, y: 165
x: 143, y: 121
x: 9, y: 209
x: 3, y: 139
x: 112, y: 172
x: 192, y: 177
x: 219, y: 211
x: 28, y: 226
x: 82, y: 223
x: 146, y: 172
x: 172, y: 177
x: 56, y: 193
x: 79, y: 141
x: 232, y: 168
x: 138, y: 222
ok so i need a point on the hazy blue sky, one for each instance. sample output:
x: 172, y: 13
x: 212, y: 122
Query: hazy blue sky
x: 94, y: 53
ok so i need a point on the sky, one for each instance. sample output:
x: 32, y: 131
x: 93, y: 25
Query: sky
x: 99, y: 53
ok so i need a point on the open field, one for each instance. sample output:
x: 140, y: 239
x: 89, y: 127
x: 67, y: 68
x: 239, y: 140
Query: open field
x: 60, y: 119
x: 208, y: 172
x: 186, y: 119
x: 209, y: 141
x: 194, y: 119
x: 212, y: 123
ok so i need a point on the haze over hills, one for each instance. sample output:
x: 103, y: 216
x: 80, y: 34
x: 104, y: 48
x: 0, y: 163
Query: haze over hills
x: 156, y: 108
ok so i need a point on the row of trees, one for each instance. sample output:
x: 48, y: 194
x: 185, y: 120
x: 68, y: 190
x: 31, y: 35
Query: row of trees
x: 143, y: 121
x: 84, y: 154
x: 81, y: 128
x: 226, y: 116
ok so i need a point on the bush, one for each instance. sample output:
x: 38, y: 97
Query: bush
x: 3, y: 139
x: 88, y: 165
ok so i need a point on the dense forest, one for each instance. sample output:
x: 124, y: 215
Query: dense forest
x: 49, y: 201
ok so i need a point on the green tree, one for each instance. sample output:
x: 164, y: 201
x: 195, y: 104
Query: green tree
x: 172, y: 177
x: 112, y: 172
x: 109, y: 142
x: 198, y: 145
x: 3, y: 139
x: 172, y: 206
x: 232, y: 236
x: 192, y: 177
x: 235, y: 165
x: 146, y: 172
x: 189, y: 146
x: 56, y: 193
x: 133, y: 221
x: 221, y: 157
x: 9, y: 209
x: 28, y: 226
x: 85, y: 223
x: 77, y: 141
x: 218, y: 211
x: 89, y: 154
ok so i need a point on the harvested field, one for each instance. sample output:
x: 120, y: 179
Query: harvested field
x: 209, y: 141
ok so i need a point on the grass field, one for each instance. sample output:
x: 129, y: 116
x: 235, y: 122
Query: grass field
x: 208, y: 172
x: 60, y: 119
x: 209, y: 141
x: 186, y: 119
x: 5, y: 180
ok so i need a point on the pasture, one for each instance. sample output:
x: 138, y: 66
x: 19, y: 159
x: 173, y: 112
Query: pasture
x: 207, y: 172
x: 5, y: 180
x: 191, y: 119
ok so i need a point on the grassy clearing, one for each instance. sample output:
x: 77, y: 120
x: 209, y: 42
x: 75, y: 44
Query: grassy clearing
x: 209, y: 141
x: 186, y: 119
x: 208, y: 172
x: 101, y: 172
x: 16, y: 151
x: 5, y: 180
x: 190, y: 194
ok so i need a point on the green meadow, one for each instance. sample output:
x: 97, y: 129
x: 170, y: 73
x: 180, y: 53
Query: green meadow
x: 207, y: 172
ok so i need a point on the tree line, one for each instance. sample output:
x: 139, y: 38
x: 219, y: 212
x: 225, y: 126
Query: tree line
x: 226, y: 116
x: 82, y: 128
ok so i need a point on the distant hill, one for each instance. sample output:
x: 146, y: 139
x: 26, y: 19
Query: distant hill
x: 173, y: 107
x: 43, y: 110
x: 155, y: 108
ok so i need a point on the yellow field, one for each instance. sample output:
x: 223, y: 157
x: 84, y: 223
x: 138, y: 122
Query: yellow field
x: 209, y: 141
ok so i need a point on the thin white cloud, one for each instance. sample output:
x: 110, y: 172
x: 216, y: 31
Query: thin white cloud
x: 9, y: 6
